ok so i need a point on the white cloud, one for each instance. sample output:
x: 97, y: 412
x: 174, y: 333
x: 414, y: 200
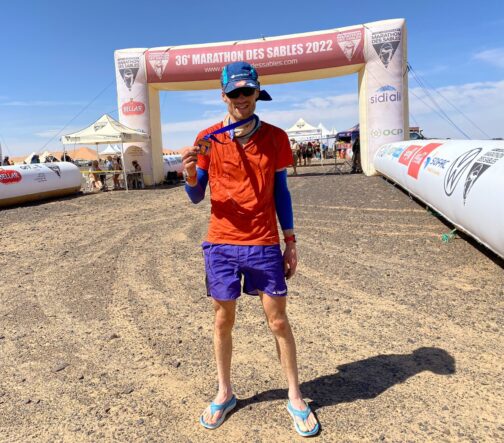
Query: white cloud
x: 493, y: 57
x: 481, y: 103
x: 48, y: 133
x: 33, y: 103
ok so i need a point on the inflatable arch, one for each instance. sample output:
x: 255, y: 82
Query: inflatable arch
x: 376, y: 51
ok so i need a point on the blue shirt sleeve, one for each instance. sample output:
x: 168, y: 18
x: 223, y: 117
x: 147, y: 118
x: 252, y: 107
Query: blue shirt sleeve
x: 197, y: 193
x: 283, y: 201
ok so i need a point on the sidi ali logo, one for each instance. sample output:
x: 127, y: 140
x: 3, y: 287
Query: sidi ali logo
x: 385, y: 94
x: 9, y: 176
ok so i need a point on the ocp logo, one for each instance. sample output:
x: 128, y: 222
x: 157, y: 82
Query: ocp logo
x: 386, y: 132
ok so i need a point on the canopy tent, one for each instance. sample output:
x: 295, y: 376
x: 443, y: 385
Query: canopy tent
x: 111, y: 150
x: 349, y: 135
x: 323, y: 130
x: 106, y: 130
x: 303, y: 131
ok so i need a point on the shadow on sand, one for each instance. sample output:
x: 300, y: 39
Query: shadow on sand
x: 364, y: 379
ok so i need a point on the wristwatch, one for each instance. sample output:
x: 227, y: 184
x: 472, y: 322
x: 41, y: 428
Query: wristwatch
x: 290, y: 238
x: 189, y: 178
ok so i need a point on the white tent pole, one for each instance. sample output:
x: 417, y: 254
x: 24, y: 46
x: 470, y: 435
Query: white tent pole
x: 124, y: 167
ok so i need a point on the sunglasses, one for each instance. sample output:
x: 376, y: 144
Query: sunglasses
x: 247, y: 92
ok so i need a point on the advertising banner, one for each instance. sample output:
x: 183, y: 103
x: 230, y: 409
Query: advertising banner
x: 461, y: 179
x: 272, y: 56
x: 22, y: 183
x: 133, y: 104
x: 384, y: 88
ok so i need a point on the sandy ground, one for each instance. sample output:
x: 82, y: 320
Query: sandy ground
x: 105, y: 330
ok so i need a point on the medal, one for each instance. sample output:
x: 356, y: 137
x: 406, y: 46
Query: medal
x: 204, y: 146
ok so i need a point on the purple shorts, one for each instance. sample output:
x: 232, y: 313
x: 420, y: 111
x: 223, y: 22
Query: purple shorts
x: 261, y: 267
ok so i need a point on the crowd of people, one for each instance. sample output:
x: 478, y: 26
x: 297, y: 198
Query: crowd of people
x: 304, y: 152
x: 100, y: 168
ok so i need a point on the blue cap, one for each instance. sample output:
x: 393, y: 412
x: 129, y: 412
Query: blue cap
x: 241, y: 75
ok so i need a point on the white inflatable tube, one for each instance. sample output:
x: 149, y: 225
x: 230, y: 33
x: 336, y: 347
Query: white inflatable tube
x: 172, y: 163
x: 23, y: 183
x: 461, y: 179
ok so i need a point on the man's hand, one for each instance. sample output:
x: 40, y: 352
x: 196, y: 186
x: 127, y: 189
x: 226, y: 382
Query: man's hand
x: 189, y: 160
x: 290, y: 259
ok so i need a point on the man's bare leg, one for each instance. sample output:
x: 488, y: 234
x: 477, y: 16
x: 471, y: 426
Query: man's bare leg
x: 275, y: 309
x: 223, y: 348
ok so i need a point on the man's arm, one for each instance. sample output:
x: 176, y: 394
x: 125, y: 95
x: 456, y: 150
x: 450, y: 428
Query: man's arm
x: 283, y: 204
x: 196, y: 178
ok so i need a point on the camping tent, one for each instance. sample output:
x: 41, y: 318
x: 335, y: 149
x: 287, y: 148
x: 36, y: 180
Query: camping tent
x: 303, y: 131
x: 106, y: 130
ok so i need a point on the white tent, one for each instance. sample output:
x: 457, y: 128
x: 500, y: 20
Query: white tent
x: 301, y: 131
x: 106, y: 130
x: 111, y: 150
x: 323, y: 130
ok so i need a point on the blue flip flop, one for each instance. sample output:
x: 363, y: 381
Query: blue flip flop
x: 303, y: 415
x: 214, y: 407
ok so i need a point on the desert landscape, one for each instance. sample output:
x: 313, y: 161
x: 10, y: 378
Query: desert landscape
x: 106, y: 330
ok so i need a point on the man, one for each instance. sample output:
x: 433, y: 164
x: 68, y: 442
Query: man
x: 294, y: 149
x: 244, y: 160
x: 356, y: 159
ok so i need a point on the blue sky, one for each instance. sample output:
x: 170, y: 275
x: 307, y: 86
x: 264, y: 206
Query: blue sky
x: 58, y: 63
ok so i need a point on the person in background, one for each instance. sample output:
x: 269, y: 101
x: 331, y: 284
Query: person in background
x: 244, y: 161
x: 117, y: 167
x: 136, y: 177
x: 294, y: 148
x: 35, y: 159
x: 6, y: 161
x: 94, y: 176
x: 309, y: 152
x: 66, y: 158
x: 356, y: 158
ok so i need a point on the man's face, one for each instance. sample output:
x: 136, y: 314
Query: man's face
x: 241, y: 107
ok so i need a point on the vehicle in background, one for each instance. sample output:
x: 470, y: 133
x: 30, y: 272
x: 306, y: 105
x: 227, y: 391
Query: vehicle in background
x: 415, y: 133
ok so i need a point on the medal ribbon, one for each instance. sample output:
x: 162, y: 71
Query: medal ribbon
x: 212, y: 135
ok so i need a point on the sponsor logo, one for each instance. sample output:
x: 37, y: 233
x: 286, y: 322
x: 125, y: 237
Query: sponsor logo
x: 158, y: 62
x: 133, y: 108
x: 348, y: 42
x: 241, y: 83
x: 386, y: 94
x: 408, y: 154
x: 385, y: 44
x: 386, y: 132
x: 8, y: 176
x: 397, y: 152
x: 457, y: 169
x: 128, y: 68
x: 98, y: 126
x: 418, y: 158
x: 55, y: 169
x: 479, y: 167
x: 436, y: 162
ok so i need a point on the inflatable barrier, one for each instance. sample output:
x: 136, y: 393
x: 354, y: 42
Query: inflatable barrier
x: 172, y: 163
x: 463, y: 180
x: 24, y: 183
